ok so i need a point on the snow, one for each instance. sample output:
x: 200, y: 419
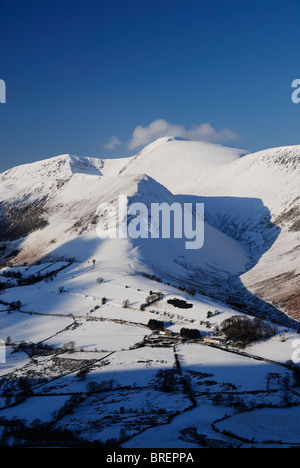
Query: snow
x: 245, y: 373
x: 161, y: 438
x: 248, y: 242
x: 30, y: 328
x: 13, y: 361
x: 146, y: 410
x: 245, y: 196
x: 103, y: 336
x: 37, y: 408
x: 279, y: 348
x: 268, y: 424
x: 178, y: 164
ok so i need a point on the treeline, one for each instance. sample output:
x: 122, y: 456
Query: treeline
x: 16, y: 433
x: 190, y: 291
x: 151, y: 299
x: 34, y: 278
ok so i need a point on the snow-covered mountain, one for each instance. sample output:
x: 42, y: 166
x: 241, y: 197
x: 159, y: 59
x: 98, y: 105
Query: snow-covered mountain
x: 49, y: 210
x: 122, y: 340
x: 251, y: 211
x: 253, y: 198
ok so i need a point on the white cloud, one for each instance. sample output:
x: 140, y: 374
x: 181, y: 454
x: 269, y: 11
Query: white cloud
x: 112, y: 143
x: 160, y: 128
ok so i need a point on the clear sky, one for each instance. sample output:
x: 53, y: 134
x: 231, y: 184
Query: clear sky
x: 103, y: 77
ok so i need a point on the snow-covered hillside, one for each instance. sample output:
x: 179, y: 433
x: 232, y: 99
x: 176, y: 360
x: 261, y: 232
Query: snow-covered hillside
x: 178, y: 164
x: 63, y: 196
x: 253, y: 198
x: 49, y: 207
x: 122, y: 339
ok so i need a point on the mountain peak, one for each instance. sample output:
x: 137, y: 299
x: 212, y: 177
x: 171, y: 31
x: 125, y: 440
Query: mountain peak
x: 43, y: 176
x: 64, y: 164
x: 72, y: 164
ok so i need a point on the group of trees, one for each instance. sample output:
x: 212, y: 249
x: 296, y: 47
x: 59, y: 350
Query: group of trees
x: 153, y: 297
x: 70, y: 346
x: 190, y: 291
x: 190, y: 334
x: 180, y: 303
x: 244, y: 331
x: 31, y: 279
x: 15, y: 305
x: 211, y: 314
x: 156, y: 324
x: 11, y: 274
x: 168, y: 380
x: 93, y: 388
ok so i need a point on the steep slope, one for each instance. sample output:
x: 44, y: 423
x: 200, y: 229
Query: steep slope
x: 274, y: 176
x: 52, y: 214
x: 254, y: 199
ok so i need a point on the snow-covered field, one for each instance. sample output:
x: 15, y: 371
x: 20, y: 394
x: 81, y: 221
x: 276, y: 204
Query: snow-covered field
x: 265, y: 425
x: 92, y: 345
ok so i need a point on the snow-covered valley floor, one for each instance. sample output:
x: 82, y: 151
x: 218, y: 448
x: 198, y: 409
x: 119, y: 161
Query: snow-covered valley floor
x: 80, y: 356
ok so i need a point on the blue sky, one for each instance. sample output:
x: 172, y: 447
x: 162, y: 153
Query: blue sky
x: 99, y: 78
